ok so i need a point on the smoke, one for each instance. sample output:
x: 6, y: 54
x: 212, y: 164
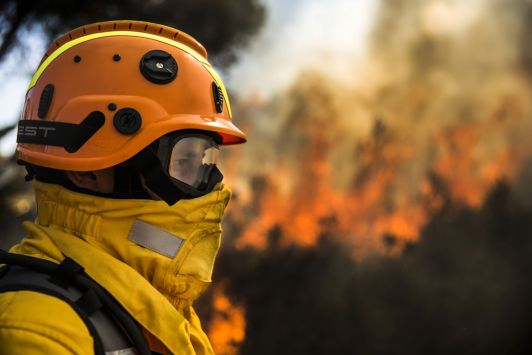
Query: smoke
x: 420, y: 170
x: 444, y: 102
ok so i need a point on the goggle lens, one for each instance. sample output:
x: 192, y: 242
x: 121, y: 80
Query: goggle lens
x: 192, y: 160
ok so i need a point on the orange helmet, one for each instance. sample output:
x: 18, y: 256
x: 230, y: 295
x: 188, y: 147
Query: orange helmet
x: 105, y: 91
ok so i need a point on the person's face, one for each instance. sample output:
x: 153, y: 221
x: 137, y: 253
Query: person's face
x: 186, y: 160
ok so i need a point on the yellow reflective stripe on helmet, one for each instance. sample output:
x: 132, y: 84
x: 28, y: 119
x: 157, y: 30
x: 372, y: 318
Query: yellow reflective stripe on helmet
x: 168, y: 41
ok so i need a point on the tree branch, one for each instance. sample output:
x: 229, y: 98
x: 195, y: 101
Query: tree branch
x: 14, y: 23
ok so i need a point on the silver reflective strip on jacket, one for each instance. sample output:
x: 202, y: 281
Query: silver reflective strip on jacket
x: 155, y: 239
x: 128, y: 351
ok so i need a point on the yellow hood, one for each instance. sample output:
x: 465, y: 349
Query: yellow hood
x: 108, y: 238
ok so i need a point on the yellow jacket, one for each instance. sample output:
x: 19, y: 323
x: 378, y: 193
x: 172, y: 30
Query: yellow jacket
x: 108, y: 238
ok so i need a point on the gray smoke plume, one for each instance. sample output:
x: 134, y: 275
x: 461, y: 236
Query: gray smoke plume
x: 445, y: 102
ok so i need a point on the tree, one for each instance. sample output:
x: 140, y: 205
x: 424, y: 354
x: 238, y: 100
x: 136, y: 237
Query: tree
x: 221, y: 26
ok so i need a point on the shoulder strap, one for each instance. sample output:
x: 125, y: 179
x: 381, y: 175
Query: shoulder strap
x: 20, y: 279
x: 111, y: 327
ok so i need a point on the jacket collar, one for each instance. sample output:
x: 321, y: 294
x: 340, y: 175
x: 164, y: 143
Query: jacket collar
x: 101, y: 235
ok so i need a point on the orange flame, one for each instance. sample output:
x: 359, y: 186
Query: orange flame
x: 302, y: 202
x: 437, y: 121
x: 228, y: 325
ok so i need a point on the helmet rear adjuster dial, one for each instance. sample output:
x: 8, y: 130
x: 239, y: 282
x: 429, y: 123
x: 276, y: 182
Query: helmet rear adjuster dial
x: 159, y: 67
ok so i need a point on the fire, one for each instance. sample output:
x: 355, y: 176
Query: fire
x: 442, y: 116
x: 315, y: 207
x: 393, y: 189
x: 228, y: 325
x: 359, y: 163
x: 469, y: 181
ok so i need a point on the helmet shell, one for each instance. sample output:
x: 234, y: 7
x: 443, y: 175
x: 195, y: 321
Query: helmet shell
x: 98, y: 68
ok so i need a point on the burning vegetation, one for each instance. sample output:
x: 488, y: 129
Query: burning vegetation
x: 438, y: 109
x: 393, y: 217
x: 463, y: 288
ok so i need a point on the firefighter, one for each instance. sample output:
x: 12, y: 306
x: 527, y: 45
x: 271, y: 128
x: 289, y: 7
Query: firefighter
x: 120, y: 133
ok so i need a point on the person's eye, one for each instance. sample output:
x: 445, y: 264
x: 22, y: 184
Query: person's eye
x: 183, y: 162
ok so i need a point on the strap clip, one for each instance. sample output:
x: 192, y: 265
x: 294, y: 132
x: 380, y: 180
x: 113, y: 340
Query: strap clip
x: 65, y: 273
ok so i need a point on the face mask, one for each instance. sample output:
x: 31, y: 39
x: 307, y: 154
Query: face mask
x: 180, y: 165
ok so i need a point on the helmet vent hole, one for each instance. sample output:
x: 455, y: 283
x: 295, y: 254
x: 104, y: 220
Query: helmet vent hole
x: 218, y: 96
x: 117, y: 57
x: 77, y: 59
x: 45, y: 101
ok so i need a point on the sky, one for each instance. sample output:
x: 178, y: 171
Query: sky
x: 302, y: 34
x: 297, y: 35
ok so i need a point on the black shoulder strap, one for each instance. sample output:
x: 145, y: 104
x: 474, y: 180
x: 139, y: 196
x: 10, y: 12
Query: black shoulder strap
x: 97, y: 308
x: 20, y: 279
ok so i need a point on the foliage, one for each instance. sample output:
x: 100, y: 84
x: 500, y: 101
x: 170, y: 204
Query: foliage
x: 221, y: 26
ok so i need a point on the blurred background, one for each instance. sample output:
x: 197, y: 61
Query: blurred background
x: 383, y: 202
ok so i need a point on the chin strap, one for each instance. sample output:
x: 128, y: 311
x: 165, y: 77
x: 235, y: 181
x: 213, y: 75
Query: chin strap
x: 127, y: 183
x: 158, y: 180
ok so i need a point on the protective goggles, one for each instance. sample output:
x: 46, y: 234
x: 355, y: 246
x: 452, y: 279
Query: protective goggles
x: 189, y: 158
x: 179, y: 165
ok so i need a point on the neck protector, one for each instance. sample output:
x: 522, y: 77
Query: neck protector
x: 173, y: 247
